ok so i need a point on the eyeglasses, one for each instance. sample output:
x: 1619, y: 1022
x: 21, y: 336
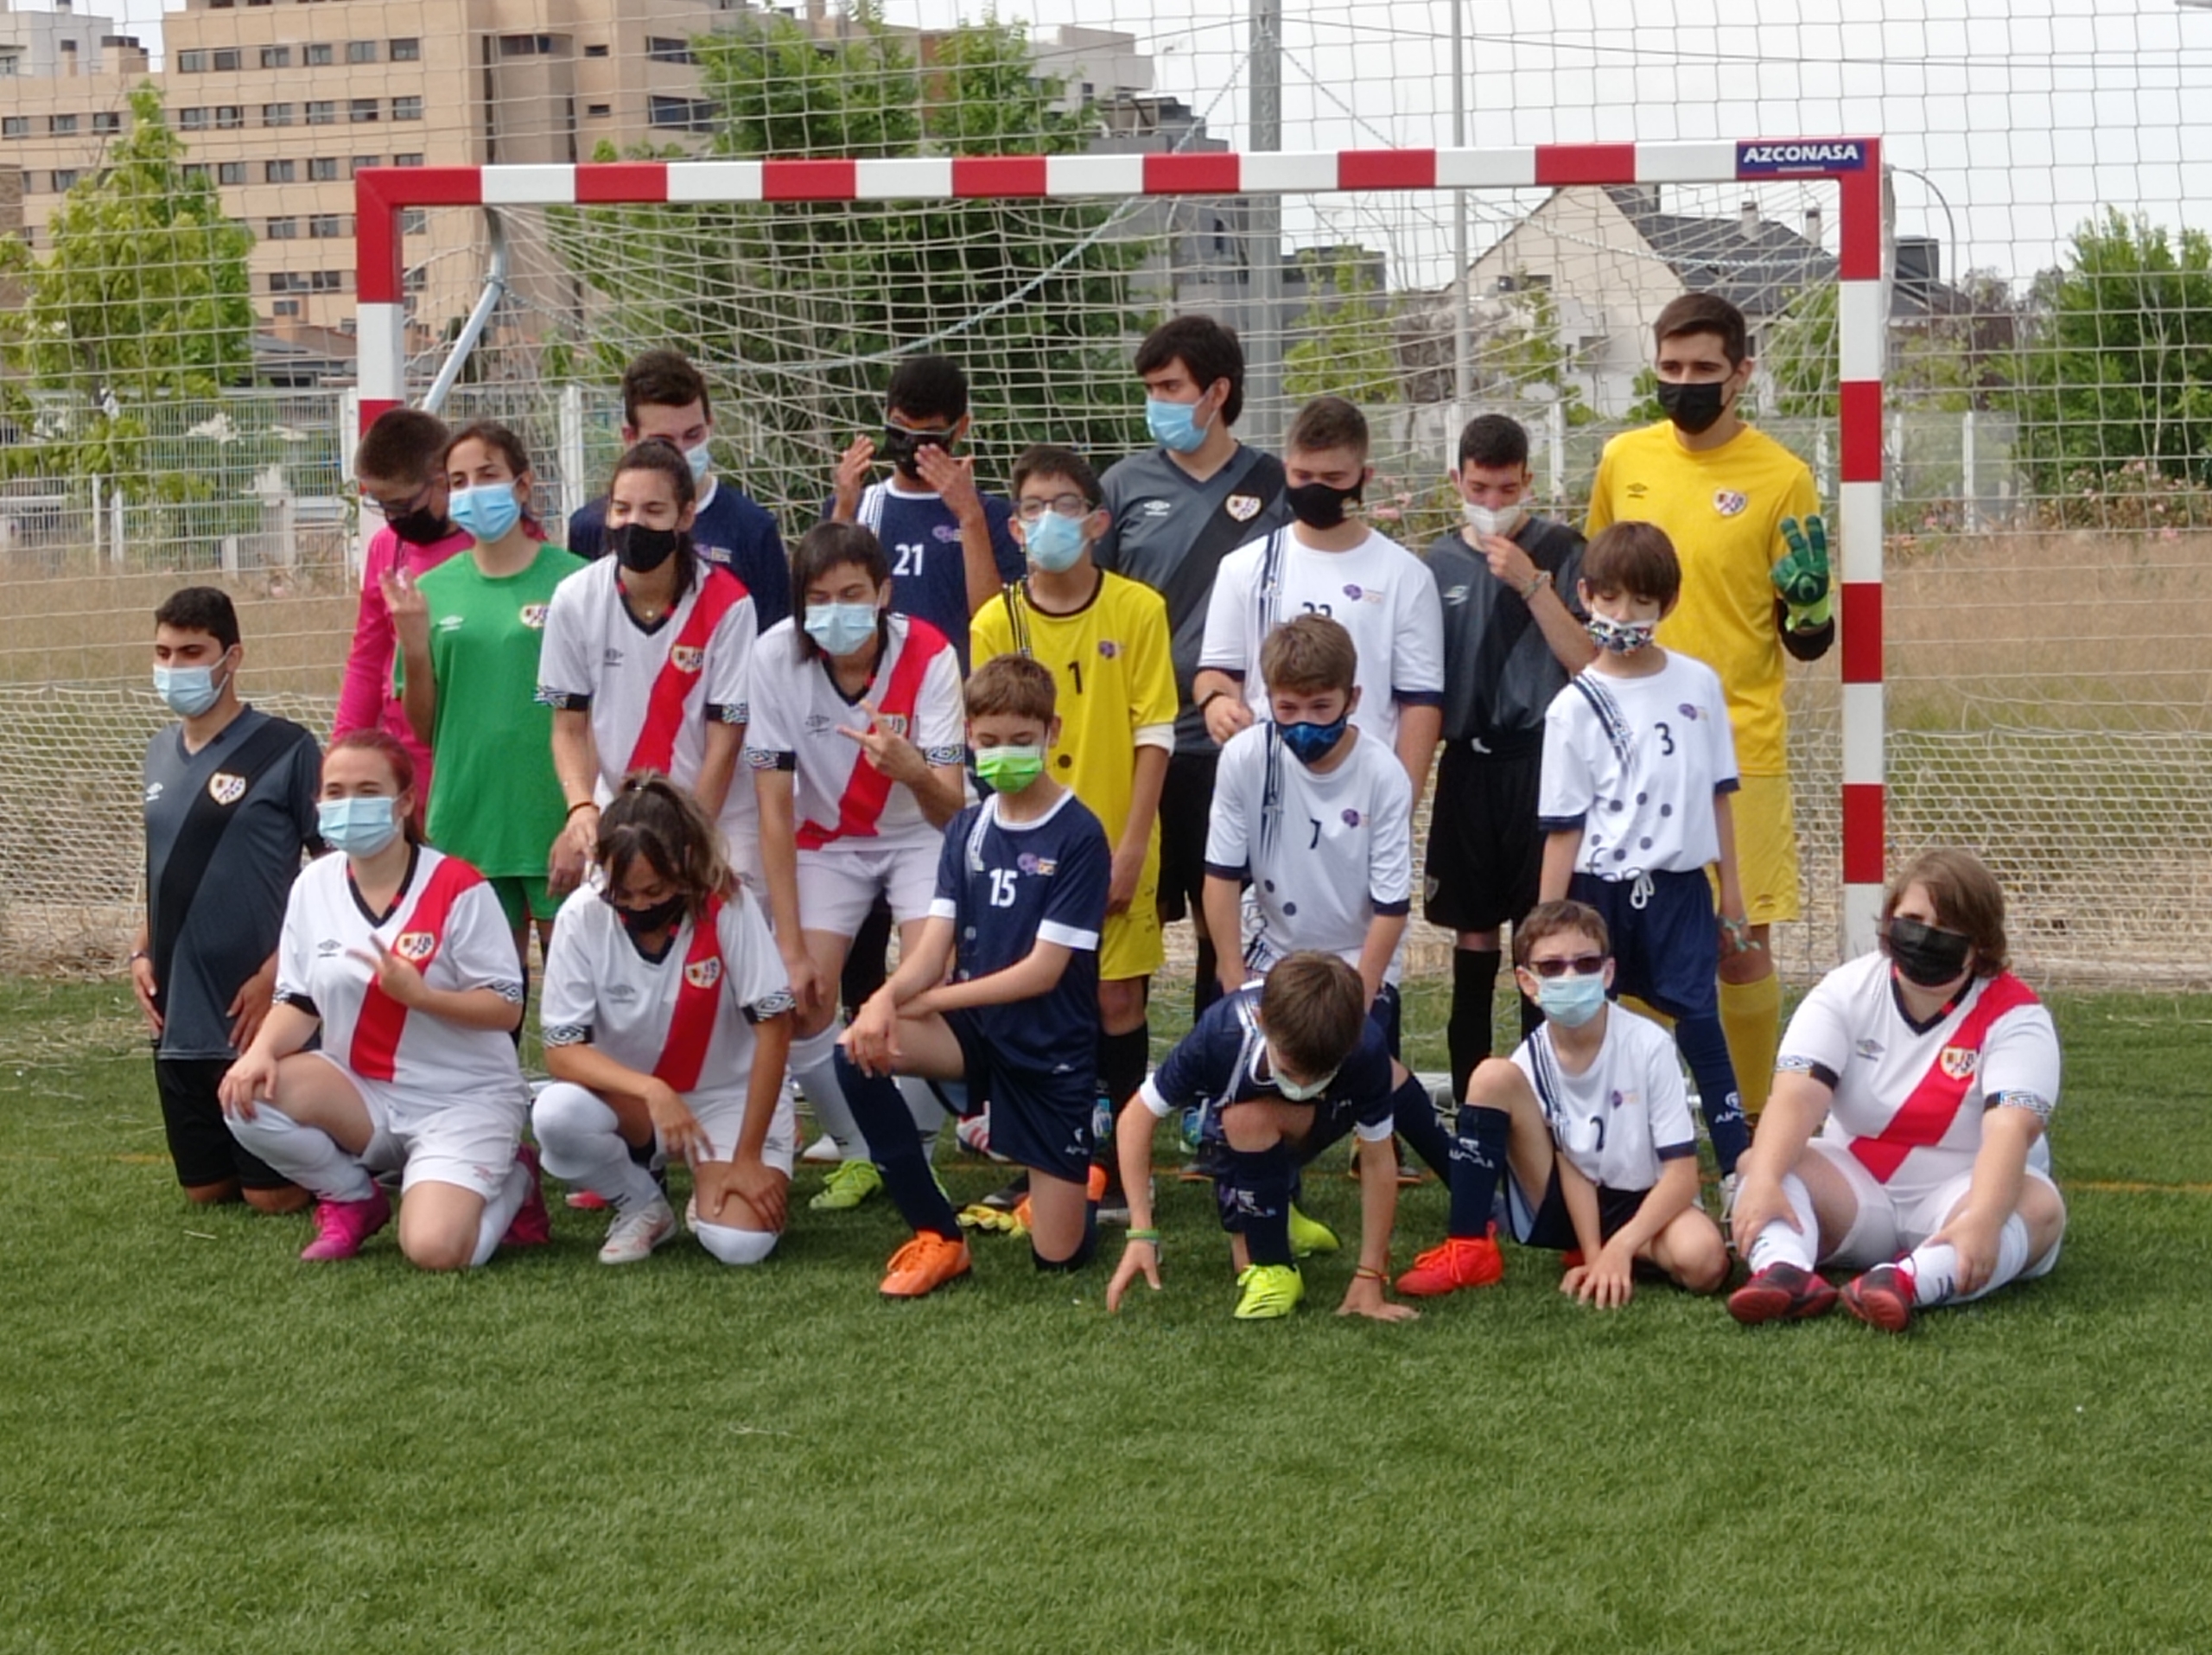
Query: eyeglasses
x: 401, y: 508
x: 1060, y: 506
x: 1580, y: 965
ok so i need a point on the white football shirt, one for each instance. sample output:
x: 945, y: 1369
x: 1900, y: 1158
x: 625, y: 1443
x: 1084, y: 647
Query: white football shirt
x: 600, y: 988
x: 326, y: 925
x: 1379, y: 592
x: 1909, y: 1100
x: 798, y: 712
x: 1623, y: 1118
x: 1325, y: 853
x: 1636, y: 764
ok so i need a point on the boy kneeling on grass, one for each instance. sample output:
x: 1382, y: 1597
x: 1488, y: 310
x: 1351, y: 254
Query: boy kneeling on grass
x: 1279, y: 1071
x: 1590, y: 1119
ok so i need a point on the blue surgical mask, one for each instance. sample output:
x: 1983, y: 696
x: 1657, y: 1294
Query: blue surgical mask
x: 1311, y: 743
x: 188, y: 691
x: 486, y: 511
x: 1054, y: 543
x: 840, y: 628
x: 1621, y: 637
x: 701, y: 462
x: 1571, y: 1000
x: 360, y: 826
x: 1174, y: 424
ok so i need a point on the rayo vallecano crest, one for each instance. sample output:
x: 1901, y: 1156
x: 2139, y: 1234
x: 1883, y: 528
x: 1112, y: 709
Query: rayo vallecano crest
x: 414, y: 946
x: 687, y: 658
x: 1243, y: 508
x: 225, y: 788
x: 703, y: 973
x: 1958, y: 1061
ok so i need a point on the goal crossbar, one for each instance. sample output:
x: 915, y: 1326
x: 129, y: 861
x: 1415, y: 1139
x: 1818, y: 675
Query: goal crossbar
x: 382, y: 194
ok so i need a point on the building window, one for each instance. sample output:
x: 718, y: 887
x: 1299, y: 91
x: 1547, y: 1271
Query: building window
x: 192, y: 120
x: 327, y: 226
x: 61, y: 125
x: 276, y: 172
x: 596, y: 51
x: 284, y: 281
x: 322, y: 112
x: 360, y: 51
x: 359, y: 161
x: 15, y: 126
x: 192, y: 63
x: 327, y: 281
x: 361, y: 109
x: 275, y: 57
x: 65, y: 181
x: 412, y: 158
x: 525, y: 46
x: 317, y: 54
x: 407, y: 109
x: 224, y: 61
x: 414, y: 221
x: 407, y: 50
x: 107, y: 120
x: 275, y: 114
x: 661, y: 49
x: 682, y: 114
x: 230, y: 172
x: 229, y: 117
x: 322, y: 169
x: 285, y: 307
x: 195, y: 172
x: 598, y: 111
x: 415, y: 281
x: 282, y: 229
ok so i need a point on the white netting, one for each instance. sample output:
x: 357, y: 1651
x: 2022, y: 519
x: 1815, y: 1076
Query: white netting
x: 2046, y: 427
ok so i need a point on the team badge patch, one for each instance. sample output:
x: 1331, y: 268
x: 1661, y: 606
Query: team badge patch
x: 703, y: 973
x: 1107, y: 649
x: 533, y: 616
x: 414, y: 946
x: 687, y: 658
x: 225, y: 788
x: 1242, y: 507
x: 894, y: 722
x: 1728, y: 502
x: 1957, y: 1062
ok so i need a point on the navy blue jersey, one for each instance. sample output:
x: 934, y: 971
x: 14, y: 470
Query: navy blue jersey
x: 929, y: 567
x: 1008, y: 886
x: 1223, y: 1060
x: 731, y: 531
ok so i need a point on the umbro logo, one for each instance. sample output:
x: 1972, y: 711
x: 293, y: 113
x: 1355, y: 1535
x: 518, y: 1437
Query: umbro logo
x: 449, y: 623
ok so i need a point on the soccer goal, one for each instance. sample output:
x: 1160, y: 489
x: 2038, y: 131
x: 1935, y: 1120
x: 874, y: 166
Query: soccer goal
x: 1427, y: 284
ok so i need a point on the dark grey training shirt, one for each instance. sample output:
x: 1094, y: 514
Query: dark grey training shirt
x: 1499, y: 673
x: 230, y: 927
x: 1158, y: 512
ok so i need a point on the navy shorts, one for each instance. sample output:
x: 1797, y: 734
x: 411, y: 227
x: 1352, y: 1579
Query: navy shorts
x: 1666, y: 939
x: 1550, y: 1226
x: 1333, y: 1123
x: 1038, y: 1121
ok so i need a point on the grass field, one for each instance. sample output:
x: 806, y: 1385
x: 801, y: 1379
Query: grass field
x: 206, y: 1445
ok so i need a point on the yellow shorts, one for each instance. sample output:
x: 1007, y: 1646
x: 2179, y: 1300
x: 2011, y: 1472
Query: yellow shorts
x: 1132, y: 944
x: 1766, y: 848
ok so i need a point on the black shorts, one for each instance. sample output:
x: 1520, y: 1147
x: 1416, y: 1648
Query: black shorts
x: 1038, y: 1121
x: 1486, y: 849
x: 1550, y: 1227
x: 1666, y: 942
x: 1185, y: 813
x: 199, y: 1139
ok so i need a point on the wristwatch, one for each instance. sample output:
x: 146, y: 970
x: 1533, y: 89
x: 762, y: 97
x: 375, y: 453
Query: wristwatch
x: 1537, y: 581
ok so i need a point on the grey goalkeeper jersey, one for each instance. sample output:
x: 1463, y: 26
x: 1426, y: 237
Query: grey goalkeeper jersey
x: 1499, y: 673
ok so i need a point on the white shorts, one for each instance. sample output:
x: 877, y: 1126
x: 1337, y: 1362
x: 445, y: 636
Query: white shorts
x: 1890, y: 1221
x: 837, y: 887
x: 468, y: 1141
x: 723, y: 1115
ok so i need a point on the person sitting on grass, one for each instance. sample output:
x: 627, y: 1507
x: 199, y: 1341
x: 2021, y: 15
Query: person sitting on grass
x: 1002, y: 992
x: 1929, y: 1071
x: 667, y: 1016
x: 401, y: 956
x: 1589, y: 1122
x: 1278, y: 1071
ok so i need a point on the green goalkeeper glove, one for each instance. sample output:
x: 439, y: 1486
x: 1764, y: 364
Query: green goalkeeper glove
x: 1802, y: 577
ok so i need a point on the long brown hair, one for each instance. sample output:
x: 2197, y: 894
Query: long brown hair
x: 651, y: 816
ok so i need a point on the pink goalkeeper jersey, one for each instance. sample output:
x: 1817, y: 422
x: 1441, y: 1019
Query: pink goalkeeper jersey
x: 366, y: 697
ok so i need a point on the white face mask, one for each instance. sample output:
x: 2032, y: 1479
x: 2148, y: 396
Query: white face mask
x: 1503, y: 520
x: 1295, y: 1092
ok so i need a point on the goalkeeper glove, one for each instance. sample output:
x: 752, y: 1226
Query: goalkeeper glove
x: 1802, y: 577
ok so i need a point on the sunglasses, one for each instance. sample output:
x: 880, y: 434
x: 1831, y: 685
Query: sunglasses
x: 1580, y: 965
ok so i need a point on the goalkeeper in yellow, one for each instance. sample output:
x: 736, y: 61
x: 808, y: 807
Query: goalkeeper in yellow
x: 1744, y: 518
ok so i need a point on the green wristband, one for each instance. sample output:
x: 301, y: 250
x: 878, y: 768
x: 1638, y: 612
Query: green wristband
x: 1152, y: 1236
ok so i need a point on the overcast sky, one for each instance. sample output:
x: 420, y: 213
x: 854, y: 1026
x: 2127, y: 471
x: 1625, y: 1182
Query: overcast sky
x: 2025, y: 115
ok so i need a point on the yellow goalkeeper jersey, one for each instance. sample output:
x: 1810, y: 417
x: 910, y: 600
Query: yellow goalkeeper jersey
x: 1723, y: 509
x: 1110, y: 662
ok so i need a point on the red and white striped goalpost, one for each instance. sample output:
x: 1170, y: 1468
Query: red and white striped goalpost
x: 381, y: 194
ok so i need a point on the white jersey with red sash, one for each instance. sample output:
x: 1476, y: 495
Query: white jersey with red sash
x: 798, y: 712
x: 651, y: 690
x: 1910, y: 1098
x: 446, y: 922
x: 686, y: 1017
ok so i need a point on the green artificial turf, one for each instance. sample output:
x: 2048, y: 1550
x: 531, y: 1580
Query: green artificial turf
x: 207, y: 1445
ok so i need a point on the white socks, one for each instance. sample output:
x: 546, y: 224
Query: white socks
x: 500, y: 1213
x: 1933, y: 1267
x: 308, y: 1155
x: 813, y: 1064
x: 1778, y: 1243
x: 735, y: 1246
x: 582, y: 1144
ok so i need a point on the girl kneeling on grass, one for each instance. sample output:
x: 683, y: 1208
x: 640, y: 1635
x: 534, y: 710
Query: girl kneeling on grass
x: 403, y: 959
x: 667, y: 1018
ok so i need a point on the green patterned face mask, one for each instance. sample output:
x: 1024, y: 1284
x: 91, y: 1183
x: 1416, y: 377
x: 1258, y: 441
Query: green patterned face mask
x: 1009, y: 769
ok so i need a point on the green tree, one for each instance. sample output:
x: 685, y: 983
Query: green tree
x: 1956, y: 355
x: 2120, y: 367
x: 1349, y: 346
x: 1522, y: 351
x: 144, y: 302
x: 797, y: 311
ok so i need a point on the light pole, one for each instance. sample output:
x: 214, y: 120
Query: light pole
x: 1263, y: 342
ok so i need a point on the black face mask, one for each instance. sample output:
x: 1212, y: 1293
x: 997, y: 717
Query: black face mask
x: 659, y: 917
x: 1321, y: 506
x: 422, y: 526
x: 901, y: 447
x: 641, y: 549
x: 1926, y: 956
x: 1694, y: 408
